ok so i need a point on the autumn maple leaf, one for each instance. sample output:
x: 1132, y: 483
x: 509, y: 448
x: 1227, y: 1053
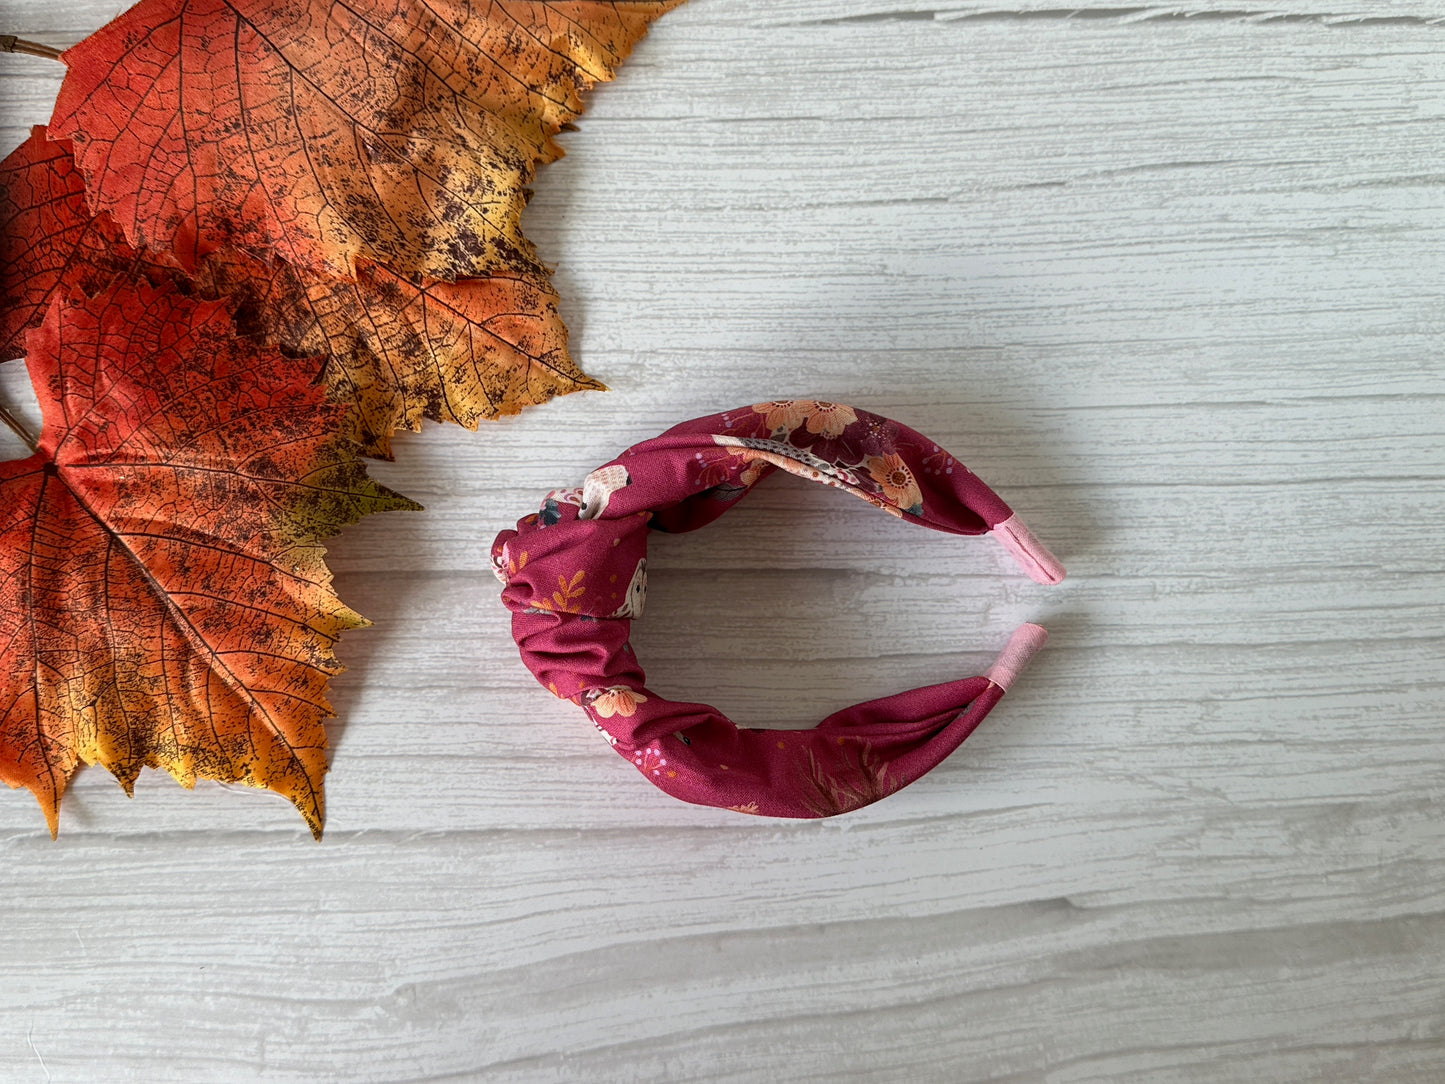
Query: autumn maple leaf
x: 400, y: 350
x: 164, y: 599
x: 49, y: 243
x: 398, y: 131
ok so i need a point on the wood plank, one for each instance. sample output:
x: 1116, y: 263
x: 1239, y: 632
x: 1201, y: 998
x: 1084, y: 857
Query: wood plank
x: 1169, y: 278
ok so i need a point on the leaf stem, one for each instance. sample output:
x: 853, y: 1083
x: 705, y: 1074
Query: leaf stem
x: 19, y: 430
x: 9, y: 43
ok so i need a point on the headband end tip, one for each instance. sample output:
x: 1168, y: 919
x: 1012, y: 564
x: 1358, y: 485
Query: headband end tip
x: 1031, y: 554
x: 1022, y: 646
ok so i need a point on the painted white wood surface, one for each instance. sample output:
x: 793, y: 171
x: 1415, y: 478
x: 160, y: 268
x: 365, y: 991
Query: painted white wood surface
x: 1170, y: 278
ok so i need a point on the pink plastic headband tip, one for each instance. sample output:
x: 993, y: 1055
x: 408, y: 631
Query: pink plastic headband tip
x: 1031, y: 554
x: 1023, y: 645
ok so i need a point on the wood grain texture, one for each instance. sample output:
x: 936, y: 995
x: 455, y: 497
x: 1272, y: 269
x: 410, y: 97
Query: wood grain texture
x: 1170, y: 279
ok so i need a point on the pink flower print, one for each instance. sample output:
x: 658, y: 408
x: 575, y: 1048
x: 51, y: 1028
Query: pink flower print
x: 618, y: 700
x: 785, y: 414
x: 756, y: 467
x: 713, y: 469
x: 717, y: 469
x: 874, y: 435
x: 746, y: 807
x: 940, y: 462
x: 650, y: 761
x: 899, y: 486
x: 830, y: 419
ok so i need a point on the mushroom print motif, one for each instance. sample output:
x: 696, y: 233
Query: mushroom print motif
x: 597, y: 490
x: 636, y: 593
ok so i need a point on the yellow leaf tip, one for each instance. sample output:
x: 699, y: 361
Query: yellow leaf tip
x: 51, y: 810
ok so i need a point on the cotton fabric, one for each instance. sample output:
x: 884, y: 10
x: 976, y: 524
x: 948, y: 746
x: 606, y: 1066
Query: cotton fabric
x: 575, y: 574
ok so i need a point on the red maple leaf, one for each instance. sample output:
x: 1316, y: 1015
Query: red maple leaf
x: 401, y: 131
x: 398, y: 349
x: 49, y: 242
x: 163, y: 595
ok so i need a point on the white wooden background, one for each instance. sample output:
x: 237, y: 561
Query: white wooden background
x: 1171, y: 279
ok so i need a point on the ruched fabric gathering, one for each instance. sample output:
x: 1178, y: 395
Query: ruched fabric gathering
x: 575, y: 577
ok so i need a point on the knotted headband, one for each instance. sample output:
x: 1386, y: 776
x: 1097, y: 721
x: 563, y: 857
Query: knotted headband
x: 575, y: 574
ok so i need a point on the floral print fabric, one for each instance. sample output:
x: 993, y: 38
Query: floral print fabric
x: 574, y: 576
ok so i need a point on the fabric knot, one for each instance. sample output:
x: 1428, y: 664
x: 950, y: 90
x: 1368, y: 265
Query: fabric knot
x: 575, y: 574
x: 559, y: 563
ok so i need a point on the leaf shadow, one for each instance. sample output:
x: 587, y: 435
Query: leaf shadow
x: 546, y: 222
x: 379, y: 596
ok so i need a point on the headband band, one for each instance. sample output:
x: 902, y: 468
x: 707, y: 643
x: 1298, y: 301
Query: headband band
x: 575, y: 574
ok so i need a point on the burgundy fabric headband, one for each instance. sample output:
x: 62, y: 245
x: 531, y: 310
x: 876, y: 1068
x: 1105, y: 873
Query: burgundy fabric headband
x: 575, y: 575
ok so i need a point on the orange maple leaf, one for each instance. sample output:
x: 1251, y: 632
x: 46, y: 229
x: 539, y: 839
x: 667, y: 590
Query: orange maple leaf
x: 49, y: 243
x: 400, y: 350
x: 164, y: 599
x: 399, y: 131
